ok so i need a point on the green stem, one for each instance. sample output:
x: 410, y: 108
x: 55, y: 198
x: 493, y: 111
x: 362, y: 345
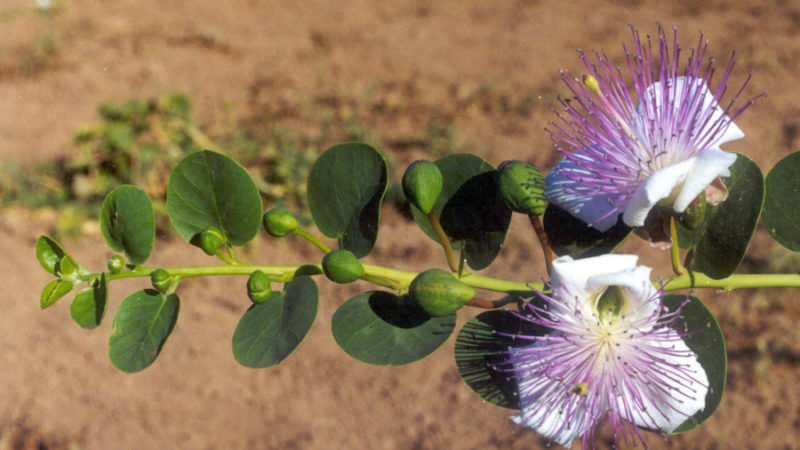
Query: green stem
x: 400, y: 279
x: 385, y: 282
x: 675, y: 256
x: 444, y: 240
x: 538, y: 228
x: 227, y: 257
x: 699, y: 280
x: 311, y: 238
x: 383, y: 276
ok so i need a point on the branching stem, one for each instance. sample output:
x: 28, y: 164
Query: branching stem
x: 399, y: 280
x: 311, y: 238
x: 452, y: 261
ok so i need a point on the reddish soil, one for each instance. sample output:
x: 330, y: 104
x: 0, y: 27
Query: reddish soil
x: 492, y: 67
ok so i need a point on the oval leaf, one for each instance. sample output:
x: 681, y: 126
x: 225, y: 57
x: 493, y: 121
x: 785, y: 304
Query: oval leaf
x: 345, y: 190
x: 781, y: 213
x: 480, y: 350
x: 128, y: 223
x: 720, y: 242
x: 89, y: 306
x: 571, y: 236
x: 470, y: 208
x: 707, y: 341
x: 268, y: 332
x: 207, y: 189
x: 49, y: 253
x: 68, y: 269
x: 383, y: 329
x: 53, y: 291
x: 140, y: 328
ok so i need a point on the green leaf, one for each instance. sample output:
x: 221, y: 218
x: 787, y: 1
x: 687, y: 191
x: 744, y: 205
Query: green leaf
x: 470, y: 208
x: 345, y: 189
x: 207, y: 189
x: 49, y: 253
x: 268, y: 332
x: 141, y: 326
x: 479, y: 351
x: 781, y: 213
x: 89, y: 306
x: 383, y: 329
x: 128, y: 223
x: 720, y: 242
x: 53, y: 291
x: 707, y: 341
x: 68, y: 268
x: 571, y: 236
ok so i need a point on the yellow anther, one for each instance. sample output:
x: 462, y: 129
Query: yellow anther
x: 580, y: 389
x: 592, y: 83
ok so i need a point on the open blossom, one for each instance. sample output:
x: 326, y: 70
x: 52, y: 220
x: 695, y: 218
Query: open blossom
x: 625, y: 158
x: 610, y: 353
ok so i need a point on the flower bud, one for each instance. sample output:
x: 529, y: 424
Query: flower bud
x: 279, y: 221
x: 439, y: 293
x: 522, y: 187
x: 258, y: 287
x: 342, y: 266
x: 116, y: 263
x: 422, y: 184
x: 160, y: 279
x: 211, y: 240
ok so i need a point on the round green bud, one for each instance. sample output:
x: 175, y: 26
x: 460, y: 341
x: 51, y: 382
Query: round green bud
x: 160, y: 279
x: 439, y: 293
x: 279, y: 221
x: 522, y: 187
x: 422, y: 184
x: 116, y: 263
x: 211, y: 240
x: 342, y: 266
x: 258, y: 287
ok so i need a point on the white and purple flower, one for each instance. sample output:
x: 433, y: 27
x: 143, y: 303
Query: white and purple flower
x: 610, y: 354
x: 657, y: 156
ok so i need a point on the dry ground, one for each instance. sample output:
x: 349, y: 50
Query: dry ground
x: 241, y: 58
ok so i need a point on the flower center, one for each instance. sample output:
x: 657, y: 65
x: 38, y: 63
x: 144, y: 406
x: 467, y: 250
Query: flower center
x: 608, y: 308
x: 609, y: 305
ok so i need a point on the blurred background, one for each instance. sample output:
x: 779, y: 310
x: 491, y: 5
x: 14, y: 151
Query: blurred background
x: 96, y: 93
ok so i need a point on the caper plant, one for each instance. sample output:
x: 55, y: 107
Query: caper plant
x: 599, y: 342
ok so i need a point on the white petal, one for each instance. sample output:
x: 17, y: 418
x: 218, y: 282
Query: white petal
x: 638, y: 289
x: 654, y: 93
x: 711, y: 163
x: 547, y: 421
x: 571, y: 276
x: 660, y: 185
x: 589, y: 209
x: 688, y: 399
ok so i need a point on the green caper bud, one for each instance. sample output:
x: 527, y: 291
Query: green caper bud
x: 439, y: 293
x: 211, y: 240
x: 160, y: 279
x: 422, y: 184
x: 258, y: 287
x: 342, y: 266
x: 116, y: 263
x: 279, y: 221
x: 522, y: 187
